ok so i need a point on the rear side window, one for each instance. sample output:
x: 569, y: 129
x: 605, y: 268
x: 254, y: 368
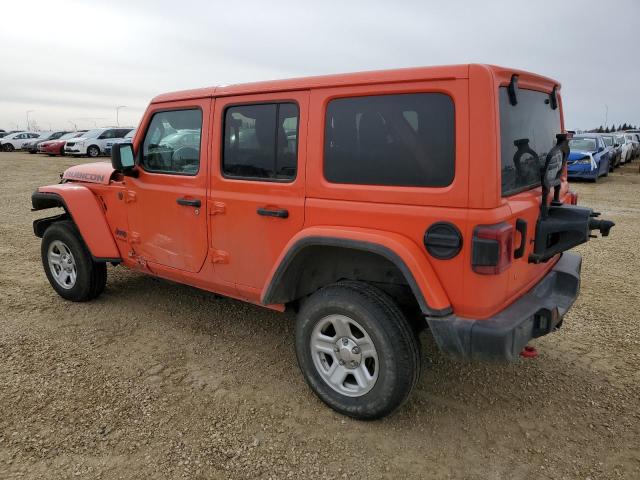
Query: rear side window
x: 529, y: 126
x: 400, y: 140
x: 172, y: 142
x: 261, y: 141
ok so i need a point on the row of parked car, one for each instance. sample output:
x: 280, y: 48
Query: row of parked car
x: 594, y: 155
x: 92, y: 143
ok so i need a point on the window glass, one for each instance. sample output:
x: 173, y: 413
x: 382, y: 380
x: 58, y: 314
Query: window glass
x: 585, y: 144
x: 529, y: 126
x: 402, y: 140
x: 261, y: 141
x: 608, y: 141
x: 107, y: 134
x: 172, y: 142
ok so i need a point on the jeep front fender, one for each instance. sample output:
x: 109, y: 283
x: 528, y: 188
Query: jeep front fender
x: 84, y: 208
x: 401, y: 251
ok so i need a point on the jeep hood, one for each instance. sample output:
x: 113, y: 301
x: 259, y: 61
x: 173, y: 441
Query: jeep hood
x: 99, y: 172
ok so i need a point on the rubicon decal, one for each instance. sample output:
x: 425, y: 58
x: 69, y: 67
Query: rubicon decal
x: 89, y: 177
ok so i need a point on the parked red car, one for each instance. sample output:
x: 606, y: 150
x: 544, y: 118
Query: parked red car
x: 56, y: 147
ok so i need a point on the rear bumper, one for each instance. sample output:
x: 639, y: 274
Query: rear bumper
x: 503, y: 336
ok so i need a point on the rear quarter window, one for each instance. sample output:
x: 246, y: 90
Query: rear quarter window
x: 399, y: 140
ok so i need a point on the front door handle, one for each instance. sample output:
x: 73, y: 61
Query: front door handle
x: 279, y: 212
x: 187, y: 202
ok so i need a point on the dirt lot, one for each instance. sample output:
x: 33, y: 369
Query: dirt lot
x: 158, y: 380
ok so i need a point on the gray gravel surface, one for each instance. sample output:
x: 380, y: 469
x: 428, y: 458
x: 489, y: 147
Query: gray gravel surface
x: 159, y: 380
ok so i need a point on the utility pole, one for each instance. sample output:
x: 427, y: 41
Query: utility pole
x: 28, y: 112
x: 117, y: 114
x: 606, y: 115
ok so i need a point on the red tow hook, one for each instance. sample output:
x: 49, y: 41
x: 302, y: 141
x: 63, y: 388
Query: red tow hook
x: 529, y: 352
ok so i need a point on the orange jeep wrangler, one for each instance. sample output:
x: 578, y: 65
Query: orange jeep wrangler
x: 370, y: 203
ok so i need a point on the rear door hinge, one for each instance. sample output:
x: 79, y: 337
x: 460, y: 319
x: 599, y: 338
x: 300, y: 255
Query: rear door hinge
x: 219, y: 256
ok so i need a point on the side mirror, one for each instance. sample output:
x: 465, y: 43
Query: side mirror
x: 122, y: 158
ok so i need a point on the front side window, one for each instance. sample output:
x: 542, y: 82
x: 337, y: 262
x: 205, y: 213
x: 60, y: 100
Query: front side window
x: 400, y: 140
x: 527, y: 133
x: 172, y: 142
x: 608, y: 141
x: 261, y: 141
x: 107, y: 134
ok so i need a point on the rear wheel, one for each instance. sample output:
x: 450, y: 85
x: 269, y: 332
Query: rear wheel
x: 93, y: 151
x: 357, y: 350
x: 68, y: 264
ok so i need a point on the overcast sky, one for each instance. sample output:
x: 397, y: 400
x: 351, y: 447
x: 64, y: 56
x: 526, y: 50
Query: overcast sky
x: 73, y: 62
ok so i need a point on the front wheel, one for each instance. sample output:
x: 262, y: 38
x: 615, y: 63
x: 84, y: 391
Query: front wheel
x: 8, y: 147
x: 68, y: 264
x: 357, y: 350
x: 93, y: 151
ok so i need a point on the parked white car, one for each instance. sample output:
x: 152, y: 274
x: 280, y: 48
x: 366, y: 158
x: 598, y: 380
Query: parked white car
x: 635, y: 144
x: 626, y: 148
x: 128, y: 138
x: 15, y: 141
x: 94, y: 142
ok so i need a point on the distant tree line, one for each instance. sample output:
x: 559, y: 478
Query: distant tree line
x: 613, y: 128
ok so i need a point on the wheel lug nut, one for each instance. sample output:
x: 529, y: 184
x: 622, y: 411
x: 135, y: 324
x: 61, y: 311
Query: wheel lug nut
x: 355, y: 350
x: 336, y: 349
x: 341, y: 362
x: 354, y: 364
x: 345, y: 341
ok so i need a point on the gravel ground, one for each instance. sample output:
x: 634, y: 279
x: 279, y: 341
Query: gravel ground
x: 159, y: 380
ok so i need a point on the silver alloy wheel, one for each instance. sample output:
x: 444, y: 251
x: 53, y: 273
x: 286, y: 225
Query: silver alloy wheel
x: 62, y: 264
x: 344, y: 355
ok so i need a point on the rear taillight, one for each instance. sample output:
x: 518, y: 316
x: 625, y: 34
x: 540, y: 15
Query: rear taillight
x: 572, y: 198
x: 492, y: 248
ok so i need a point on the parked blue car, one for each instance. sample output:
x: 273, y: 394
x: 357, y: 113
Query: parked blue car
x: 589, y: 157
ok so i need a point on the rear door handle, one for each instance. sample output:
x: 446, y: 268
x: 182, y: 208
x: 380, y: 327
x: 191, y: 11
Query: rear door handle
x: 279, y: 212
x: 187, y: 202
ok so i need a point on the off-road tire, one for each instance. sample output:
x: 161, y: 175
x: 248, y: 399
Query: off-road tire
x: 91, y: 277
x: 396, y: 344
x: 93, y: 151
